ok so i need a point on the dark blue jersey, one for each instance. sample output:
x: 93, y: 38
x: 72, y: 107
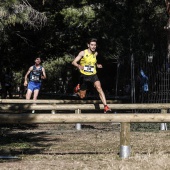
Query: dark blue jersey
x: 36, y: 73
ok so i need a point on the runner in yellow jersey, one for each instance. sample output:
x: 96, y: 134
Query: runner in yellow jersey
x: 86, y: 62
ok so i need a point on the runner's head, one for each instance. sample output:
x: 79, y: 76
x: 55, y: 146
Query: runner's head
x: 92, y: 44
x: 37, y: 60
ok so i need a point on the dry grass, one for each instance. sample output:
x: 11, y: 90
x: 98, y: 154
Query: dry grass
x: 96, y: 147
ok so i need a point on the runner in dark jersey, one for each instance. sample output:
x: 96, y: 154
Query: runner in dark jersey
x: 36, y: 74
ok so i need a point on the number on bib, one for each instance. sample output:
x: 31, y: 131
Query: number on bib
x: 35, y: 78
x: 89, y: 68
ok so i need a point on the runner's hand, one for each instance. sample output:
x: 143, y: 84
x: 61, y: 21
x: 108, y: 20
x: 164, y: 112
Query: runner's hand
x: 42, y: 77
x: 25, y: 83
x: 81, y: 67
x: 99, y: 66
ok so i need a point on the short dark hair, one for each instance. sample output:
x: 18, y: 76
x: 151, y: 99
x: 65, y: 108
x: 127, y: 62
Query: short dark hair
x: 37, y: 57
x: 92, y: 40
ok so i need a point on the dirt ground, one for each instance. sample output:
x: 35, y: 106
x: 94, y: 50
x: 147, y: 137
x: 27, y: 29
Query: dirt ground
x: 95, y: 147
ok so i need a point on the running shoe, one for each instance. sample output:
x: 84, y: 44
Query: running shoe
x: 77, y: 88
x: 107, y: 109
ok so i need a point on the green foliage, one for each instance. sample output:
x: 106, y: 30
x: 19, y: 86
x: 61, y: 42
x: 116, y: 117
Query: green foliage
x: 119, y: 26
x: 18, y: 78
x: 78, y: 17
x: 14, y: 11
x: 55, y: 66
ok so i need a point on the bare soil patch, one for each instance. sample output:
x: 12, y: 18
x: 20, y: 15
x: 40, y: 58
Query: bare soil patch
x: 96, y: 146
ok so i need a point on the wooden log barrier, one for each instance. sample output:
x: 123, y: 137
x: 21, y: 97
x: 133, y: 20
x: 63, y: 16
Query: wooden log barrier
x: 26, y: 118
x: 54, y: 105
x: 40, y: 101
x: 125, y: 120
x: 80, y: 106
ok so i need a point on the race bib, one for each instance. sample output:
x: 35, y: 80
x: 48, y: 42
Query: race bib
x: 89, y: 68
x: 35, y: 78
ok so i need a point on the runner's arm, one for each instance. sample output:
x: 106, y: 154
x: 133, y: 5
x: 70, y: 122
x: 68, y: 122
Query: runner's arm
x: 26, y: 75
x: 98, y: 65
x: 77, y: 59
x: 43, y: 74
x: 167, y: 6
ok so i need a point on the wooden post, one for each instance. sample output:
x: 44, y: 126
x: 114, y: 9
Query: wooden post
x: 53, y: 111
x: 125, y: 140
x: 33, y: 111
x: 163, y: 125
x: 78, y: 125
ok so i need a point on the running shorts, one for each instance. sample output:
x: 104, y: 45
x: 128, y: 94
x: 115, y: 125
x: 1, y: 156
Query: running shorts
x: 34, y: 85
x: 86, y: 79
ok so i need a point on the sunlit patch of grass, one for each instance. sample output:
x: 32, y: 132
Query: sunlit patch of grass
x: 20, y: 145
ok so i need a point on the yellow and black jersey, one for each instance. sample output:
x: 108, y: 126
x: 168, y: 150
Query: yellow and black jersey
x: 89, y: 62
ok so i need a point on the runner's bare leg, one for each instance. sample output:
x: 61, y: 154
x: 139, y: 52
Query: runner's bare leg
x: 28, y: 94
x: 98, y: 87
x: 36, y: 92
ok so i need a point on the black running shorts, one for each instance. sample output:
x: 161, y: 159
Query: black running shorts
x: 86, y: 79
